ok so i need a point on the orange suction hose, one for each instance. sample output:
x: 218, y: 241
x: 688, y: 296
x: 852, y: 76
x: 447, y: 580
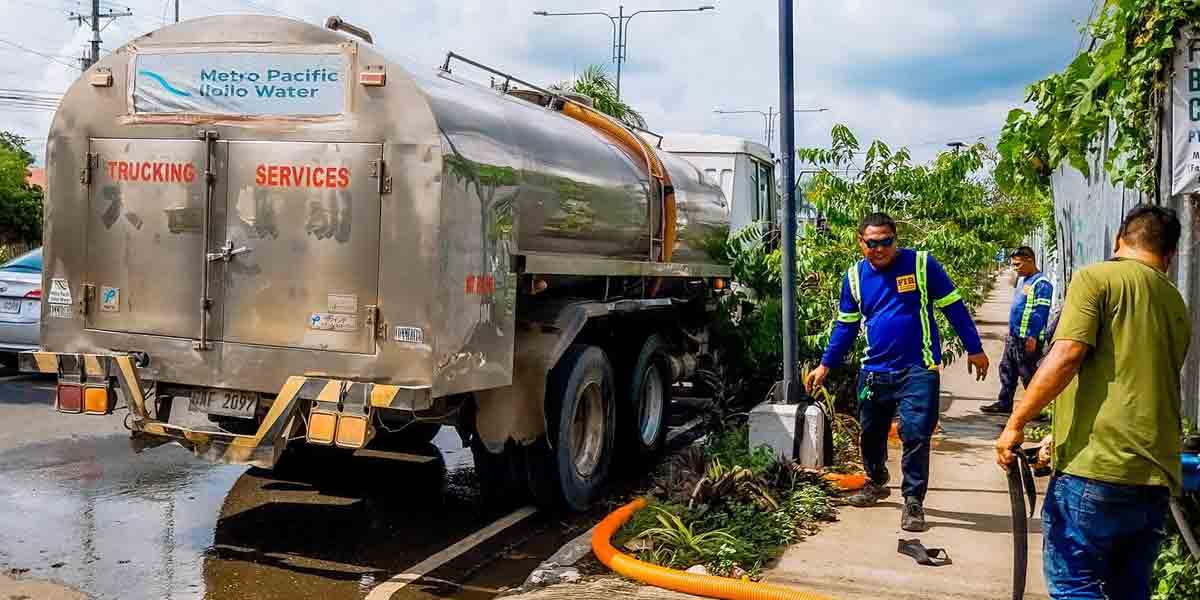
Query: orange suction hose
x: 679, y: 581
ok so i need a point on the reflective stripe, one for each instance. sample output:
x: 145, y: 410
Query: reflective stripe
x: 923, y: 285
x: 856, y: 293
x: 948, y: 299
x: 855, y: 284
x: 853, y: 317
x: 1031, y: 302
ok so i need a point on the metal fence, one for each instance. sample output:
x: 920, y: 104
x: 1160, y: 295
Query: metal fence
x: 1088, y: 212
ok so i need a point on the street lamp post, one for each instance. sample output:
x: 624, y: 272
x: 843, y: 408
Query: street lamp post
x: 620, y: 28
x: 768, y: 118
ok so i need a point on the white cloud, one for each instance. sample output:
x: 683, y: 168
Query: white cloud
x: 916, y: 72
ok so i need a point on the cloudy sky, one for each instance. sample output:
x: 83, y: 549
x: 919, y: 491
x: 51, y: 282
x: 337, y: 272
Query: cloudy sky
x: 918, y: 73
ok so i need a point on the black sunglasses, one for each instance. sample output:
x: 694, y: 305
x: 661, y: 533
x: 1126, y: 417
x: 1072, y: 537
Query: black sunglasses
x: 883, y: 243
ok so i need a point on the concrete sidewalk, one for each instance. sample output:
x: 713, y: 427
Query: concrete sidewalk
x: 967, y: 508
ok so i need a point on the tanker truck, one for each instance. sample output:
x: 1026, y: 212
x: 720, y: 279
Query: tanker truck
x: 263, y: 235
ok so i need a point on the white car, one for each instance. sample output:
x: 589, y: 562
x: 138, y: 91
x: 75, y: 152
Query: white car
x: 20, y: 305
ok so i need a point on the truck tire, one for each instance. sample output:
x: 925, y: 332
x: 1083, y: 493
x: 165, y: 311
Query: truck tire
x: 645, y: 398
x: 580, y: 398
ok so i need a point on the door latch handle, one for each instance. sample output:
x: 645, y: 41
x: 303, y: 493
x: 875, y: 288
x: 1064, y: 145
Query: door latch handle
x: 227, y: 252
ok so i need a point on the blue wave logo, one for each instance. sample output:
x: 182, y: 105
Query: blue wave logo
x: 163, y: 82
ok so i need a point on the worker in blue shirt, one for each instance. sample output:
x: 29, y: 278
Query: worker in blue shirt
x: 893, y: 293
x: 1027, y: 330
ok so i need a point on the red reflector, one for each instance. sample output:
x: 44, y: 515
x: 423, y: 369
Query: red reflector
x: 69, y: 398
x: 372, y: 78
x: 35, y: 294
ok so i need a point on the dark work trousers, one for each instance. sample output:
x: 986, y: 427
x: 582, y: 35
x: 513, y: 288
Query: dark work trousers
x: 914, y: 392
x: 1017, y: 364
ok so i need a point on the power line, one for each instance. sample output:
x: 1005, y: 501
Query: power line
x: 49, y: 57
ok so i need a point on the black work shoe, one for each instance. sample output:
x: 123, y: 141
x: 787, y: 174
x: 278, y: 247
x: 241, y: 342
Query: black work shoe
x: 995, y: 408
x: 913, y: 517
x: 869, y: 495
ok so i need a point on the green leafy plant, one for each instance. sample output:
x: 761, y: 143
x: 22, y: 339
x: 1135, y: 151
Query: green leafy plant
x: 595, y: 83
x: 1119, y: 83
x: 721, y: 484
x: 20, y: 202
x: 681, y: 541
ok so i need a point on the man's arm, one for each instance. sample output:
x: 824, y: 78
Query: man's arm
x: 845, y: 331
x: 1059, y: 368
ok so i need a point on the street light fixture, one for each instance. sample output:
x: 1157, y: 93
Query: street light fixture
x: 769, y: 117
x: 956, y: 146
x: 620, y: 28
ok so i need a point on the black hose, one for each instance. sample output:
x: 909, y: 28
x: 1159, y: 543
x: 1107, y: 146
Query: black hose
x: 1022, y: 495
x: 1016, y: 498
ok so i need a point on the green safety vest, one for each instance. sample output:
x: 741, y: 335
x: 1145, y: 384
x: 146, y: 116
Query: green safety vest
x: 1031, y: 303
x: 922, y: 286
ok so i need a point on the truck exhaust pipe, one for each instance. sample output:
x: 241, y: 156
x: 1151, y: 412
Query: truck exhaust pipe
x: 336, y: 23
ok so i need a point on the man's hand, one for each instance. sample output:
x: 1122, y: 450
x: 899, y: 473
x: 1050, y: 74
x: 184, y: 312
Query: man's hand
x: 1008, y: 440
x: 980, y: 364
x: 816, y: 378
x: 1030, y: 345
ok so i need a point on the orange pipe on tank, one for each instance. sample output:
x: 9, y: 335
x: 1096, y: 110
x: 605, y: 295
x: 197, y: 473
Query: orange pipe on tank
x: 637, y: 149
x: 679, y: 581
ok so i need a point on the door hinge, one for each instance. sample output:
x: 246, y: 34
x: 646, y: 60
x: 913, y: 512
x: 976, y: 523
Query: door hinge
x: 374, y: 322
x: 86, y: 294
x: 379, y: 171
x: 90, y: 161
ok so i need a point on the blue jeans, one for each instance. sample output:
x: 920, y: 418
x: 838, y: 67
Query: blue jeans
x: 914, y: 391
x: 1100, y: 539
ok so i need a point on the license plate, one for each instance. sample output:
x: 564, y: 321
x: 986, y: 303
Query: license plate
x: 10, y: 306
x: 227, y: 403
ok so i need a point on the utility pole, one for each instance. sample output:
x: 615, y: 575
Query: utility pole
x: 768, y: 118
x: 787, y: 154
x: 176, y: 11
x: 620, y: 28
x: 94, y: 21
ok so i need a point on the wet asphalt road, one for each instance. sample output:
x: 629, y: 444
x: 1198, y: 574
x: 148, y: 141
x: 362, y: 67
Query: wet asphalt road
x: 79, y: 508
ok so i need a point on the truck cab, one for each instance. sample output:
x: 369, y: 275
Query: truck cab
x: 745, y: 171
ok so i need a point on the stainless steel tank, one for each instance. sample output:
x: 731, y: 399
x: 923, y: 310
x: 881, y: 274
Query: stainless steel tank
x: 240, y: 199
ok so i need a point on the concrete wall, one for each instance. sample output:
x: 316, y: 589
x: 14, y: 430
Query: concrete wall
x: 1088, y: 212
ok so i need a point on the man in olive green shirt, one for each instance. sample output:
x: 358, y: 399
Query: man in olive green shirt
x: 1117, y: 354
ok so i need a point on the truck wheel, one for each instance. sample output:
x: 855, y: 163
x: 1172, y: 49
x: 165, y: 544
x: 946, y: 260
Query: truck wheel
x: 580, y: 393
x: 646, y: 395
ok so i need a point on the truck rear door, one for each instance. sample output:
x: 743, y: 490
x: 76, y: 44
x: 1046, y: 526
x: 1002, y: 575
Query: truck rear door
x: 292, y: 258
x: 145, y: 238
x: 303, y: 224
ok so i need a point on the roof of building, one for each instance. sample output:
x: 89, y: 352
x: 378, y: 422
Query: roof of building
x: 720, y: 144
x: 36, y: 176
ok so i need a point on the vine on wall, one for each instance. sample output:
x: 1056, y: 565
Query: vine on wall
x: 1119, y: 82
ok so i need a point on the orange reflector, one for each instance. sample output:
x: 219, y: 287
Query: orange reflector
x: 372, y: 78
x: 352, y: 431
x: 95, y: 401
x: 69, y: 398
x: 321, y: 426
x: 719, y: 284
